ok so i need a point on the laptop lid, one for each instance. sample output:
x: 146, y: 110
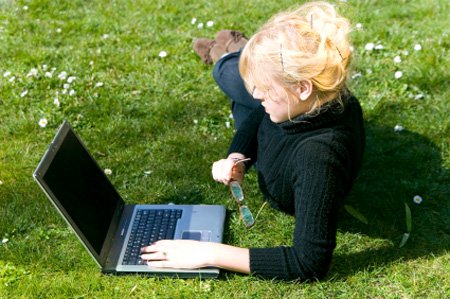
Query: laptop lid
x: 80, y: 190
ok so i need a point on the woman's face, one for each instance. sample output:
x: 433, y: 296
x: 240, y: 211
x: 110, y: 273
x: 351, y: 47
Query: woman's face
x: 277, y: 103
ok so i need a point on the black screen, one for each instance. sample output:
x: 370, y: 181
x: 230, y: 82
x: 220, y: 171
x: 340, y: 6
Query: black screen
x: 83, y: 190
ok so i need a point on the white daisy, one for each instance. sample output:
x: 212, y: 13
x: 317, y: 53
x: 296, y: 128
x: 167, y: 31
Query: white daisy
x: 200, y: 25
x: 398, y: 128
x: 418, y: 96
x: 71, y: 92
x: 32, y: 73
x: 4, y: 241
x: 66, y: 86
x: 162, y: 54
x: 48, y: 74
x: 379, y: 47
x: 12, y: 79
x: 195, y: 121
x: 62, y: 76
x: 193, y: 21
x: 44, y: 67
x: 105, y: 36
x: 59, y: 30
x: 24, y: 93
x: 25, y: 7
x: 7, y: 74
x: 397, y: 59
x: 108, y: 171
x: 398, y: 74
x: 56, y: 102
x: 358, y: 26
x: 227, y: 124
x: 71, y: 79
x: 99, y: 84
x: 91, y: 62
x: 417, y: 47
x: 369, y: 46
x: 209, y: 24
x: 417, y: 199
x: 43, y: 122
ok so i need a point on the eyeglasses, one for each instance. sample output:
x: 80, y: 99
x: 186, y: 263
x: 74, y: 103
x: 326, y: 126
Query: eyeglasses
x: 238, y: 195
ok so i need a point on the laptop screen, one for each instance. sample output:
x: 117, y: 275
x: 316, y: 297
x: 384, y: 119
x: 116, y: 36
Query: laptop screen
x: 82, y: 189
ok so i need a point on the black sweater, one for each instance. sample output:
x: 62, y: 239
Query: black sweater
x: 304, y: 169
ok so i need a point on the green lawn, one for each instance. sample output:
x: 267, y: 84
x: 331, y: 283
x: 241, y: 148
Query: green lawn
x: 159, y: 122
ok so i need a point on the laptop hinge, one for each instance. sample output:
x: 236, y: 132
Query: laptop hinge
x: 117, y: 239
x: 108, y: 243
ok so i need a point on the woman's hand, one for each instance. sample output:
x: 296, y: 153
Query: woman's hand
x: 187, y: 254
x: 229, y: 169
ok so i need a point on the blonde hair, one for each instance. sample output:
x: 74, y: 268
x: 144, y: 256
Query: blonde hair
x: 307, y: 43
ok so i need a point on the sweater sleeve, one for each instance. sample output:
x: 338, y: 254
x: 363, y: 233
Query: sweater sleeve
x: 318, y: 187
x: 245, y: 139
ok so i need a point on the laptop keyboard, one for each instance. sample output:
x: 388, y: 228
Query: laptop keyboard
x: 149, y: 226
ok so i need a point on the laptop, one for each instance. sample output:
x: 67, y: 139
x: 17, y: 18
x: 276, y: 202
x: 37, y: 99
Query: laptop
x: 112, y: 231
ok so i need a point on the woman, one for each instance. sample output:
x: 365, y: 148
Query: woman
x: 305, y: 132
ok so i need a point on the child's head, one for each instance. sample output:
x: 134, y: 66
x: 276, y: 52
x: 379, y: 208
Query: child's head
x: 308, y: 43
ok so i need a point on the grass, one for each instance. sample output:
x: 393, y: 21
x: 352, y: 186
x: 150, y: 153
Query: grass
x: 159, y: 123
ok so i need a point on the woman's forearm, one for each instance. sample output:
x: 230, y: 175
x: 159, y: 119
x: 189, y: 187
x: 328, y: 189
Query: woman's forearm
x: 230, y: 258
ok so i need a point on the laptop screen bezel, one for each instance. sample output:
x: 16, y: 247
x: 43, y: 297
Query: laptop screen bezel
x: 39, y: 174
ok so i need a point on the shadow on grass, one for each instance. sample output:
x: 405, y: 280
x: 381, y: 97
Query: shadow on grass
x: 397, y: 166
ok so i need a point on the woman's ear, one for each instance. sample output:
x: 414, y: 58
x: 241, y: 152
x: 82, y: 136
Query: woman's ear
x: 304, y: 90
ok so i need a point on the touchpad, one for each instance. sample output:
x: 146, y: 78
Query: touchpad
x: 195, y: 235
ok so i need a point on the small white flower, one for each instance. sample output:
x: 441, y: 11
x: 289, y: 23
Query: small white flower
x: 105, y: 36
x: 193, y: 21
x: 352, y: 48
x: 62, y: 76
x: 369, y: 46
x: 358, y: 26
x: 200, y: 25
x: 417, y: 199
x: 99, y: 84
x: 405, y: 52
x: 56, y: 102
x: 195, y: 121
x: 369, y: 71
x: 12, y: 79
x: 356, y: 75
x: 417, y: 47
x: 53, y: 69
x: 32, y: 73
x: 398, y: 128
x: 397, y: 59
x: 209, y: 24
x: 66, y: 86
x: 7, y: 74
x: 25, y: 7
x: 64, y: 91
x: 91, y: 62
x: 108, y: 171
x: 147, y: 172
x: 24, y: 93
x: 398, y: 74
x: 1, y: 182
x: 162, y: 54
x: 4, y: 241
x: 48, y: 74
x: 59, y: 30
x: 418, y: 96
x: 227, y: 124
x: 44, y: 67
x: 71, y: 92
x: 71, y: 79
x: 43, y: 122
x: 379, y: 47
x: 230, y: 116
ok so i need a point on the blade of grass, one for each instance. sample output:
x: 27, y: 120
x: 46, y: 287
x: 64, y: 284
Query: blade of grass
x: 355, y: 213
